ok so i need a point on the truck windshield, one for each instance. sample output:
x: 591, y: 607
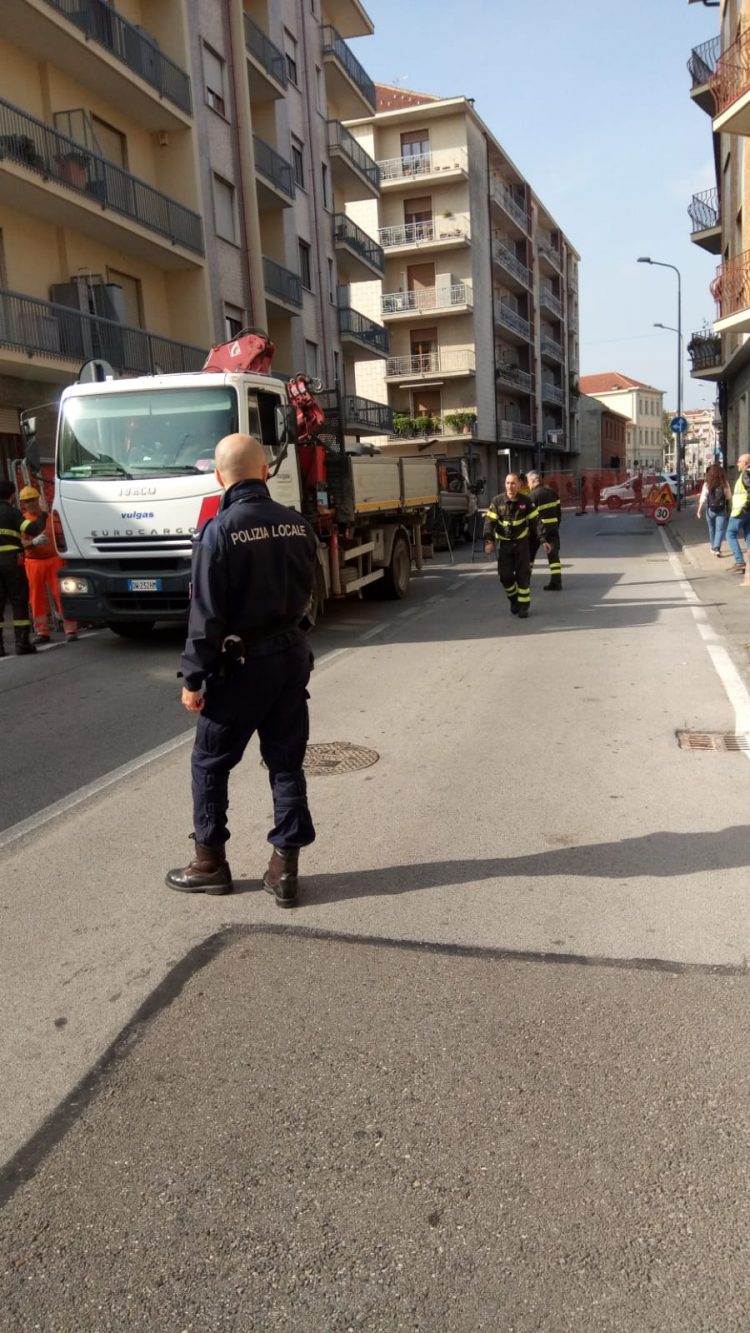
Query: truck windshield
x: 147, y: 433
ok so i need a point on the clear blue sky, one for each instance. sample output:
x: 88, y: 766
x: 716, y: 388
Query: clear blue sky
x: 591, y: 100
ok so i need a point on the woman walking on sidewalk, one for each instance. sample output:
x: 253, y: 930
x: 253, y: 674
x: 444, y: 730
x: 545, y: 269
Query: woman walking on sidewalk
x: 716, y: 499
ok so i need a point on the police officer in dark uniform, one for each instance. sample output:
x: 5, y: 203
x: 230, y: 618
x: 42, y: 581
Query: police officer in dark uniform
x: 547, y: 502
x: 14, y: 587
x: 253, y: 572
x: 509, y: 521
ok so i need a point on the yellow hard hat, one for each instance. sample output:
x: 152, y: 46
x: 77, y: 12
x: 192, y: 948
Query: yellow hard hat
x: 28, y: 493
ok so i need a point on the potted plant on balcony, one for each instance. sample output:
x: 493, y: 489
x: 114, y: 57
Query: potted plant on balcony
x: 461, y: 422
x: 71, y: 168
x: 403, y: 425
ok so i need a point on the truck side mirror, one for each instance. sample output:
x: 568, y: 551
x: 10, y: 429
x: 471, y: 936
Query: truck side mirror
x: 31, y: 449
x: 285, y: 422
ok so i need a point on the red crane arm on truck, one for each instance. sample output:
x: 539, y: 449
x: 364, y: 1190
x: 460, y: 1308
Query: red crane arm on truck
x: 251, y: 352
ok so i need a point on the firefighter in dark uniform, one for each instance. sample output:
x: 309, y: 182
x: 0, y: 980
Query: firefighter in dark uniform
x: 547, y: 502
x: 510, y: 520
x: 14, y: 587
x: 245, y: 668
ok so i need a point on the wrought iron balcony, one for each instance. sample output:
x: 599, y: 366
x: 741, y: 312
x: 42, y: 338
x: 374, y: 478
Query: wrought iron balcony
x: 511, y: 263
x: 551, y: 348
x: 503, y: 195
x: 352, y: 324
x: 510, y: 319
x: 446, y: 228
x: 731, y: 288
x: 273, y: 167
x: 65, y: 334
x: 443, y: 361
x: 424, y: 164
x: 506, y: 373
x: 703, y: 61
x: 282, y: 283
x: 38, y: 147
x: 335, y: 46
x: 427, y: 298
x: 349, y: 234
x: 704, y: 350
x: 265, y: 51
x: 548, y: 299
x: 342, y: 143
x: 731, y: 81
x: 360, y: 416
x: 704, y: 210
x: 100, y: 23
x: 516, y: 431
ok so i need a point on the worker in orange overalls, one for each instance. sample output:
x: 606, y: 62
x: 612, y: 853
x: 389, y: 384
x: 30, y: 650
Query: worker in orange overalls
x: 42, y: 564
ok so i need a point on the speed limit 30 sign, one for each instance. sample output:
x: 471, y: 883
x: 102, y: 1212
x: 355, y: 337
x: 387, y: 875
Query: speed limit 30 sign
x: 663, y: 513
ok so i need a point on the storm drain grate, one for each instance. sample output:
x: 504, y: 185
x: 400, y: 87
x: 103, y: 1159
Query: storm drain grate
x: 711, y: 740
x: 333, y: 757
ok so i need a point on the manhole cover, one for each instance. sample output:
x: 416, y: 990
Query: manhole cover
x: 332, y: 757
x: 711, y: 740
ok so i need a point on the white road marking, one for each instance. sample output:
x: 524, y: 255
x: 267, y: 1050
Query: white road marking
x: 734, y: 685
x: 62, y: 807
x: 59, y: 643
x: 376, y: 629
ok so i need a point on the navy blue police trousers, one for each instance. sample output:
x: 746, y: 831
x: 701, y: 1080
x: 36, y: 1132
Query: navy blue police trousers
x: 267, y: 695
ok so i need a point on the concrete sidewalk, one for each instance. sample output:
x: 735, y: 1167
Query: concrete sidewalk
x: 724, y: 594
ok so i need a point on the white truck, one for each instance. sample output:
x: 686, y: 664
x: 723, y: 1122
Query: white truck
x: 134, y: 480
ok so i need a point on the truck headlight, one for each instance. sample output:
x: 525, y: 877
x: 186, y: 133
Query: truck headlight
x: 69, y: 584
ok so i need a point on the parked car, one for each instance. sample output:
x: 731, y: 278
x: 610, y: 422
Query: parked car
x: 622, y: 495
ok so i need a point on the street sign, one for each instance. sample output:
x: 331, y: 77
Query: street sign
x: 663, y: 514
x: 678, y: 425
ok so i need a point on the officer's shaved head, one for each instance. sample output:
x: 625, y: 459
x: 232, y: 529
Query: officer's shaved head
x: 533, y: 478
x: 240, y: 458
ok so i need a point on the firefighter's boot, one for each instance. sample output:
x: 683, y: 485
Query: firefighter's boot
x: 555, y: 584
x: 514, y: 604
x: 208, y: 872
x: 24, y: 646
x: 281, y: 878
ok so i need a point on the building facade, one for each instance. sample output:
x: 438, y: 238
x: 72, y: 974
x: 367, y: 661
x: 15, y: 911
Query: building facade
x: 701, y: 440
x: 479, y: 292
x: 643, y: 407
x: 720, y: 220
x: 602, y: 436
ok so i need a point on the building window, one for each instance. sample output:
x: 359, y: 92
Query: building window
x: 298, y: 161
x: 319, y: 93
x: 234, y: 320
x: 311, y: 358
x: 132, y: 297
x: 290, y: 51
x: 305, y: 271
x: 112, y: 143
x: 214, y: 80
x: 336, y: 367
x: 325, y: 185
x: 224, y: 210
x: 3, y: 269
x: 331, y: 283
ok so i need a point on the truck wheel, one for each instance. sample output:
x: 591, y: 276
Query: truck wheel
x: 132, y: 629
x: 395, y: 581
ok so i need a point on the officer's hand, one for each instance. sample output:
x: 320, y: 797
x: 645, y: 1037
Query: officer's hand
x: 488, y: 548
x: 547, y: 547
x: 192, y: 699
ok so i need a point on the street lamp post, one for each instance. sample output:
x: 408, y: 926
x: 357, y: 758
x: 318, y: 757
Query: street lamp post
x: 658, y: 263
x: 671, y: 329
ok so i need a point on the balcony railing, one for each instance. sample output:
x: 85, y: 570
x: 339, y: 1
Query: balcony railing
x: 421, y: 233
x: 424, y: 164
x: 731, y: 78
x: 517, y: 431
x: 440, y: 362
x: 731, y: 286
x: 351, y: 235
x: 549, y: 299
x: 504, y: 196
x: 550, y: 347
x: 704, y: 350
x: 334, y: 45
x: 506, y: 373
x: 427, y: 298
x: 265, y: 51
x: 100, y: 23
x: 551, y: 393
x: 360, y: 415
x: 504, y: 314
x: 704, y: 210
x: 274, y: 167
x: 282, y: 283
x: 703, y: 61
x: 511, y: 263
x: 354, y: 325
x: 34, y: 145
x: 65, y: 334
x: 550, y: 252
x: 340, y: 138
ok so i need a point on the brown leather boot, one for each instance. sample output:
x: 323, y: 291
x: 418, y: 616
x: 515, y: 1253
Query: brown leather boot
x: 208, y: 872
x: 281, y: 878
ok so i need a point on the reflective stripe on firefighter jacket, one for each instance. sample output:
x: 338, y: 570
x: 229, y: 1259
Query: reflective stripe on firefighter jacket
x: 547, y: 502
x: 12, y: 525
x: 510, y: 520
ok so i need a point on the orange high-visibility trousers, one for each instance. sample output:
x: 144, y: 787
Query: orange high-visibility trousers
x: 42, y: 576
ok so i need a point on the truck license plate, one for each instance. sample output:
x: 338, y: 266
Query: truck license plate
x: 144, y: 585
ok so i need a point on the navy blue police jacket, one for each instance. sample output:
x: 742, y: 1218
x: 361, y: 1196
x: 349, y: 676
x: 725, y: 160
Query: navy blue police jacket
x: 253, y: 571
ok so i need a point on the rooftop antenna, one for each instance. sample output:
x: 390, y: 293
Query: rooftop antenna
x: 398, y: 80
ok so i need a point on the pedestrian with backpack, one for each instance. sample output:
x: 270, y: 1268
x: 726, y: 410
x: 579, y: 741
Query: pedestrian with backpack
x: 716, y: 499
x: 739, y: 518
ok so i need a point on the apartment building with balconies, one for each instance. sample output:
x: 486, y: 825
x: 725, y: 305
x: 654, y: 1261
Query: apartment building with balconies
x: 720, y: 219
x: 479, y: 292
x: 102, y: 245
